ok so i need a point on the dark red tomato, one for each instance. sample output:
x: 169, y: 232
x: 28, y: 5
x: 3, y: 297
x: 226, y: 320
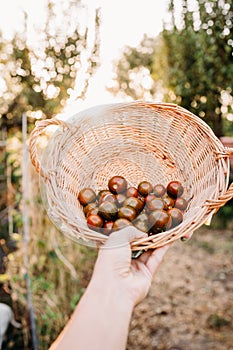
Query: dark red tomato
x: 95, y: 222
x: 108, y: 227
x: 181, y: 203
x: 93, y: 211
x: 89, y: 207
x: 149, y: 197
x: 86, y: 196
x: 175, y: 189
x: 108, y: 211
x: 141, y: 225
x: 121, y: 223
x: 159, y: 190
x: 176, y: 216
x: 109, y: 197
x: 120, y: 198
x: 158, y: 219
x: 155, y: 204
x: 117, y: 184
x: 102, y: 193
x: 142, y: 217
x: 128, y: 213
x: 135, y: 203
x: 132, y: 192
x: 144, y: 188
x: 169, y: 202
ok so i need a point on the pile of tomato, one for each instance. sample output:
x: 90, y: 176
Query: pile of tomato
x: 150, y: 208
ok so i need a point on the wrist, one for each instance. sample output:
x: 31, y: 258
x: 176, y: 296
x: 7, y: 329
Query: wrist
x: 107, y: 313
x: 112, y: 293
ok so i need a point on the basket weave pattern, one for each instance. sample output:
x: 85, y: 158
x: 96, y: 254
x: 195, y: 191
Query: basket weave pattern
x: 140, y: 141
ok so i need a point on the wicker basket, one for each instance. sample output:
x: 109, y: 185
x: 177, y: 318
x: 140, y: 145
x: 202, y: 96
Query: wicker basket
x: 140, y: 141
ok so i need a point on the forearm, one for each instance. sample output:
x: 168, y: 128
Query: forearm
x: 100, y: 321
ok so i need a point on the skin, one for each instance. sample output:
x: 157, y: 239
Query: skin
x: 102, y: 317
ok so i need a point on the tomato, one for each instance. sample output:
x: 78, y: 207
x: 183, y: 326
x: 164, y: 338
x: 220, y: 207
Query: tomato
x: 158, y: 219
x: 95, y: 222
x: 155, y: 204
x: 132, y: 192
x: 135, y: 203
x: 144, y: 188
x: 108, y: 211
x: 121, y: 223
x: 175, y: 189
x: 176, y: 216
x: 128, y: 213
x: 86, y: 196
x: 159, y: 190
x: 117, y: 184
x: 181, y: 203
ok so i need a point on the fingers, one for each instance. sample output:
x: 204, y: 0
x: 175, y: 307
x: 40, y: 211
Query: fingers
x: 123, y: 237
x: 154, y: 259
x: 145, y: 256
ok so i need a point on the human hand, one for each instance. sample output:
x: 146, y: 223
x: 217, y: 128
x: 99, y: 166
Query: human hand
x: 114, y: 268
x: 117, y: 285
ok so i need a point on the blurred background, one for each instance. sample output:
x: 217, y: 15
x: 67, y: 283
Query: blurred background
x: 59, y: 57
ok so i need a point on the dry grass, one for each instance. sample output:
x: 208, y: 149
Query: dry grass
x: 59, y: 271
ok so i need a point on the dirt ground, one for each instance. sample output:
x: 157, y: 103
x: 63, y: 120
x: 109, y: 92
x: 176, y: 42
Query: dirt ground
x: 190, y: 303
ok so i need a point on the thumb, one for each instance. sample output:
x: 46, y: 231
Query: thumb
x: 123, y: 237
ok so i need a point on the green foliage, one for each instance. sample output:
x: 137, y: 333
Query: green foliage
x: 40, y: 283
x: 18, y: 220
x: 76, y: 298
x: 200, y: 60
x: 189, y: 63
x: 228, y: 127
x: 134, y: 68
x: 42, y: 76
x: 207, y: 247
x: 224, y: 217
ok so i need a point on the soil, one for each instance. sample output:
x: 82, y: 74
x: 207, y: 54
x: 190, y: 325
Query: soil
x: 190, y: 303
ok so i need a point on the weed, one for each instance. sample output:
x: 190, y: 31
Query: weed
x: 207, y: 247
x: 216, y: 321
